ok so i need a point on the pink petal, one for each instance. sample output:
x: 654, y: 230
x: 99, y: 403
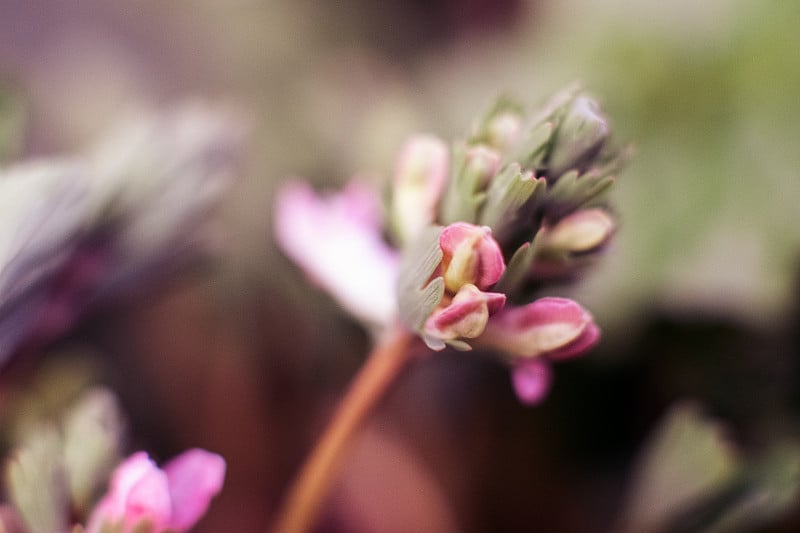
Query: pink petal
x: 587, y: 340
x: 194, y: 477
x: 113, y: 508
x: 149, y: 499
x: 541, y: 327
x: 466, y: 316
x: 470, y: 255
x: 531, y: 379
x: 337, y: 241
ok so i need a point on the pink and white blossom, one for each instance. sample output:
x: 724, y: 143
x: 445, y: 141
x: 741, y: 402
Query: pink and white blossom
x: 337, y: 241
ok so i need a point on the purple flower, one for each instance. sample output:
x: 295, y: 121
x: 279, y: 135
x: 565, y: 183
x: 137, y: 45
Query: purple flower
x: 170, y: 499
x: 468, y: 229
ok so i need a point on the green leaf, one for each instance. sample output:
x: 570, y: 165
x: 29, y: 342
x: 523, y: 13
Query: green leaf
x: 509, y: 192
x: 519, y: 267
x: 462, y: 198
x: 418, y: 294
x: 37, y: 484
x: 686, y: 460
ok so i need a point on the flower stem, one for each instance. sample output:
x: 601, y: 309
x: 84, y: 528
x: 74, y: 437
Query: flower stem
x: 307, y: 494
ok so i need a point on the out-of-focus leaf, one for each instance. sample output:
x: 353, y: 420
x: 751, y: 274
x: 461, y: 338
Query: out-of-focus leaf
x: 93, y: 433
x: 686, y: 460
x: 764, y: 492
x: 417, y: 294
x: 36, y: 482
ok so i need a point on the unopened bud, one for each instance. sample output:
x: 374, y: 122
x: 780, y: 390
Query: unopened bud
x: 420, y: 176
x: 556, y: 327
x: 482, y: 163
x: 470, y: 256
x: 579, y: 138
x: 504, y: 130
x: 466, y: 316
x: 582, y: 231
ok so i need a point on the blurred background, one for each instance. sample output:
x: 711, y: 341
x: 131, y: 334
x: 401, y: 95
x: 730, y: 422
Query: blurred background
x: 697, y: 297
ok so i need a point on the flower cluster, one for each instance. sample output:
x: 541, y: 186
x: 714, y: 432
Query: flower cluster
x: 481, y: 228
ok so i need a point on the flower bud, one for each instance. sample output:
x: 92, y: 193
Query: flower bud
x: 504, y: 130
x: 470, y: 256
x: 466, y: 316
x: 580, y: 137
x: 556, y: 327
x: 531, y: 379
x: 483, y: 163
x: 420, y: 176
x: 582, y: 231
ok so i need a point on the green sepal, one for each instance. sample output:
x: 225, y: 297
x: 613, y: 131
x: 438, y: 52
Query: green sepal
x: 572, y: 191
x: 535, y: 149
x: 481, y: 131
x: 508, y: 193
x: 417, y: 294
x: 462, y: 198
x: 519, y: 267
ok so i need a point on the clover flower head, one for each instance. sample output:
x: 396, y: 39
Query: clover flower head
x: 480, y: 230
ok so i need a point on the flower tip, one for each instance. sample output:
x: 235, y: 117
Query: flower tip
x: 531, y: 380
x: 582, y: 231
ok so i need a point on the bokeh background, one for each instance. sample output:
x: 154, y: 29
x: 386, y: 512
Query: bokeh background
x: 698, y: 296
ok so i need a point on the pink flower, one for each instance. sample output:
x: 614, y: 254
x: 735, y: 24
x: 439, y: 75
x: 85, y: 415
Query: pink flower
x: 338, y: 243
x: 172, y: 499
x: 470, y: 256
x: 466, y: 316
x: 556, y: 327
x: 533, y: 335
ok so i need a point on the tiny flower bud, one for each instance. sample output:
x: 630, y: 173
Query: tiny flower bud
x: 470, y: 256
x: 556, y: 327
x: 582, y: 231
x: 504, y: 130
x: 579, y: 138
x: 483, y: 163
x: 420, y: 176
x: 466, y: 316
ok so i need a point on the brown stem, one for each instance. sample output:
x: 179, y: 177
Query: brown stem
x: 307, y: 494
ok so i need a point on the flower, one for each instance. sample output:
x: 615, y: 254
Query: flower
x: 142, y: 497
x: 338, y: 243
x: 523, y: 204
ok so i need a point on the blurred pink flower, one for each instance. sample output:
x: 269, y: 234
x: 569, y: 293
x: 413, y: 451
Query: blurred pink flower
x: 338, y: 243
x: 172, y: 499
